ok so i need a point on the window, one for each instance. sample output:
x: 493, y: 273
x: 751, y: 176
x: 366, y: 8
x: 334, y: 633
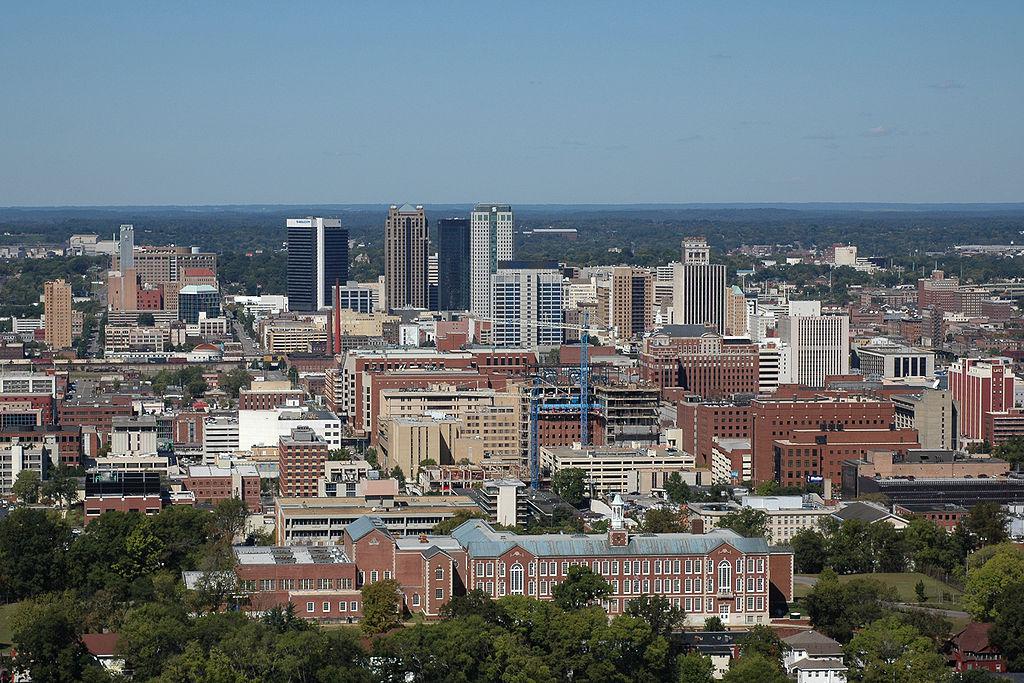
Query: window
x: 605, y: 567
x: 675, y: 566
x: 657, y: 585
x: 342, y: 606
x: 543, y: 568
x: 657, y: 566
x: 439, y: 573
x: 415, y: 599
x: 724, y: 575
x: 310, y: 607
x: 374, y: 576
x: 327, y: 607
x: 626, y: 567
x: 516, y: 579
x: 689, y: 566
x: 353, y: 606
x: 647, y: 566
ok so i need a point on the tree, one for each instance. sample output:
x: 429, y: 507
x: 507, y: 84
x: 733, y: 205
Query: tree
x: 747, y: 522
x: 474, y: 603
x: 929, y: 546
x: 235, y: 380
x: 33, y: 551
x: 714, y: 624
x: 570, y: 485
x: 838, y: 609
x: 1011, y: 450
x: 1007, y: 633
x: 229, y: 516
x: 849, y: 546
x: 986, y: 524
x: 677, y: 490
x: 658, y: 611
x: 662, y: 521
x: 397, y: 473
x: 889, y: 650
x: 150, y: 635
x: 580, y: 588
x: 763, y: 641
x: 27, y: 486
x: 754, y: 667
x: 808, y: 551
x: 919, y: 591
x: 370, y: 456
x: 888, y: 548
x: 48, y: 638
x: 380, y: 606
x: 146, y: 320
x: 987, y: 584
x: 694, y: 667
x: 61, y: 487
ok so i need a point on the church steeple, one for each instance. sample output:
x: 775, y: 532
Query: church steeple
x: 617, y: 535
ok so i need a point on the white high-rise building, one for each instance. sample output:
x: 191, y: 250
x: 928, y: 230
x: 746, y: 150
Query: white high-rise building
x: 126, y: 247
x: 698, y: 294
x: 816, y: 345
x: 526, y: 301
x: 490, y: 241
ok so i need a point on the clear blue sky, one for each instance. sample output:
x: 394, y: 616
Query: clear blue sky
x: 556, y: 102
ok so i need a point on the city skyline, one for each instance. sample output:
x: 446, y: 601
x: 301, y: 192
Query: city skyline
x: 732, y: 103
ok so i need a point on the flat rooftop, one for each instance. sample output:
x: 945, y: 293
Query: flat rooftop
x: 253, y: 555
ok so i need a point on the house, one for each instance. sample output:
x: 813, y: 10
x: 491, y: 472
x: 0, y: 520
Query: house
x: 720, y: 646
x: 814, y: 658
x: 819, y: 671
x: 871, y: 513
x: 103, y: 646
x: 971, y: 649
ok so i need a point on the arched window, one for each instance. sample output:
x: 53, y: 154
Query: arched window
x: 516, y: 579
x: 724, y: 575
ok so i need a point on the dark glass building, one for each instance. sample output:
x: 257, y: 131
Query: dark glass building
x: 317, y: 258
x: 453, y: 264
x: 196, y: 299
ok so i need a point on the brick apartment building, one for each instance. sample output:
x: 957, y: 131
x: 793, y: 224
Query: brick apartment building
x: 261, y: 399
x: 100, y: 414
x: 301, y: 457
x: 71, y: 444
x: 701, y: 423
x: 210, y: 485
x: 717, y: 574
x: 700, y: 361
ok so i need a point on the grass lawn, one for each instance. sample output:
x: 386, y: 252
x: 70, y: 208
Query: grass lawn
x: 5, y: 626
x: 904, y: 585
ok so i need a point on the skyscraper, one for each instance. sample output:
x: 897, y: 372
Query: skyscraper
x: 317, y: 259
x: 405, y: 257
x: 126, y: 248
x: 490, y: 242
x: 627, y: 302
x: 57, y: 308
x: 816, y: 345
x: 698, y: 296
x: 453, y: 258
x: 526, y: 301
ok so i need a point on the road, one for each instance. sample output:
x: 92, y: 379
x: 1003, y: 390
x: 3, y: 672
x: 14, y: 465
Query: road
x: 249, y: 347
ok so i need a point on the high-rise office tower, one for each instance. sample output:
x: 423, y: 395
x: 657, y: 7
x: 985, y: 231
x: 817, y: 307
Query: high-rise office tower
x: 317, y: 259
x: 490, y: 242
x: 126, y: 248
x: 816, y: 345
x: 626, y: 302
x: 57, y: 308
x: 453, y: 254
x: 526, y: 304
x: 405, y: 257
x: 698, y: 296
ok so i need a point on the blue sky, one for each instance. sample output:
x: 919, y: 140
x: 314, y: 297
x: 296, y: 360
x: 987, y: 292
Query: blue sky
x: 273, y: 102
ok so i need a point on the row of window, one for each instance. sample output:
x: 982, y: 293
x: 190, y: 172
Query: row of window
x: 628, y: 567
x: 343, y: 606
x: 296, y: 584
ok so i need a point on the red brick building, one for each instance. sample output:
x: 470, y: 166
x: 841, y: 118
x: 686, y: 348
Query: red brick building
x: 702, y: 422
x: 980, y: 386
x: 718, y: 574
x: 259, y: 399
x: 94, y: 413
x: 69, y: 439
x: 809, y: 455
x: 149, y: 299
x: 775, y: 419
x: 301, y: 458
x: 971, y: 649
x: 210, y: 485
x: 187, y: 428
x: 123, y: 491
x: 700, y: 361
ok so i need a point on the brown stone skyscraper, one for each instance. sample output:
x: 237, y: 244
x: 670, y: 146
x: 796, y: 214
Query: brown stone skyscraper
x: 405, y: 257
x: 57, y: 307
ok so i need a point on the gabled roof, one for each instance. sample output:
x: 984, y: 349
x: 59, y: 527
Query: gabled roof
x: 866, y: 512
x: 814, y: 643
x: 973, y: 638
x: 101, y: 644
x: 364, y: 525
x: 819, y: 665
